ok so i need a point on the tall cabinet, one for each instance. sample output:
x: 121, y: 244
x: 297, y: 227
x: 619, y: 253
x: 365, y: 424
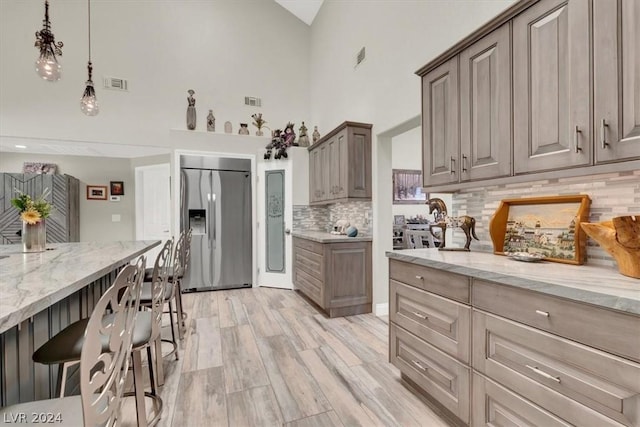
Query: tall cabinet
x: 63, y: 225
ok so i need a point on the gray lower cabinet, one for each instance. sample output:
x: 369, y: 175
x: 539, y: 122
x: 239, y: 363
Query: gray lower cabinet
x: 512, y: 357
x: 340, y: 165
x: 63, y: 225
x: 336, y: 276
x: 616, y: 73
x: 551, y: 86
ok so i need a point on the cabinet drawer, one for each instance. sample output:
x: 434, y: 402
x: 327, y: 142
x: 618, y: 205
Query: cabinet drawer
x: 439, y: 282
x: 532, y: 362
x: 608, y: 330
x: 439, y: 321
x: 309, y: 245
x: 442, y: 377
x: 310, y: 286
x: 496, y: 406
x: 309, y: 262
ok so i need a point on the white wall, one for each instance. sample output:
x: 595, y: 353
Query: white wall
x: 95, y: 215
x: 400, y: 36
x: 223, y: 49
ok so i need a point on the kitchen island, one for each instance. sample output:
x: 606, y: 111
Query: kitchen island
x: 40, y: 294
x: 486, y: 337
x: 333, y: 271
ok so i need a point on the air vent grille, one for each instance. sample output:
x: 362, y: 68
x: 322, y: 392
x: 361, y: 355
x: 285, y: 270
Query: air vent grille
x: 115, y: 83
x: 360, y: 56
x: 252, y: 101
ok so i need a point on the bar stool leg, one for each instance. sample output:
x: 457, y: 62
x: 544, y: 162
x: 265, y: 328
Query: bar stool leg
x: 158, y: 360
x: 173, y: 329
x: 181, y: 323
x: 138, y: 384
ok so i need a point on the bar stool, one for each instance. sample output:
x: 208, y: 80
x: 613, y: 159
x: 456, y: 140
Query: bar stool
x: 106, y: 339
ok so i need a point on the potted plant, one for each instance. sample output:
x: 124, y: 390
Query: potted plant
x: 33, y: 214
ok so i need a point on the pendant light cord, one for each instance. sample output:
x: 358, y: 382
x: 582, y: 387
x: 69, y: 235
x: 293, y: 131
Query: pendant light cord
x: 89, y: 21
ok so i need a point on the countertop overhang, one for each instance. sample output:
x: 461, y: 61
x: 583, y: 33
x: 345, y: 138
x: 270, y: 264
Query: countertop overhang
x: 31, y: 282
x: 599, y: 286
x: 324, y: 237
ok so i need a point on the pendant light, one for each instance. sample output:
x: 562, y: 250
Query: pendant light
x: 89, y: 102
x: 47, y: 65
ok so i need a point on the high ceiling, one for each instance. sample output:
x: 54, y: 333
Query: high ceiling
x: 305, y: 10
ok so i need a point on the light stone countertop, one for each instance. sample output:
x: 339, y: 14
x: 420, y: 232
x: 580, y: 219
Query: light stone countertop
x: 31, y: 282
x: 600, y: 286
x: 324, y: 237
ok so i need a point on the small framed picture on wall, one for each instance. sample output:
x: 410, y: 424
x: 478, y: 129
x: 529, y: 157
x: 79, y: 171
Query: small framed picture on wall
x: 117, y: 188
x: 96, y: 192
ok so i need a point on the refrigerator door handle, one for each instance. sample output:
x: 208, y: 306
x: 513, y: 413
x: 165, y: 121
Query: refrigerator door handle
x: 208, y: 213
x: 213, y: 217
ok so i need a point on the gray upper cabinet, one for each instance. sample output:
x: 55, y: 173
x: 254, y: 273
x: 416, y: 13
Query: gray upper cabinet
x: 616, y: 62
x: 440, y: 124
x: 340, y: 165
x: 485, y: 107
x: 551, y: 86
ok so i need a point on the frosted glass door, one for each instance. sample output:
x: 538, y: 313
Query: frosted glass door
x: 274, y: 198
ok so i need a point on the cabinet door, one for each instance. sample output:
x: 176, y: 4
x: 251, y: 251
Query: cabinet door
x: 616, y: 61
x: 551, y: 86
x: 323, y: 165
x: 333, y: 145
x: 315, y: 176
x: 440, y: 124
x: 356, y: 165
x: 485, y: 107
x: 339, y: 165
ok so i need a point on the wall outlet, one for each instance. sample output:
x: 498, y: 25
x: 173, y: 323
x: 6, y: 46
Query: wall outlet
x: 115, y: 218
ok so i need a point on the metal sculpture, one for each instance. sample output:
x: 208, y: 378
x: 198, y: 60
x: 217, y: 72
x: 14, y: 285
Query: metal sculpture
x: 443, y: 220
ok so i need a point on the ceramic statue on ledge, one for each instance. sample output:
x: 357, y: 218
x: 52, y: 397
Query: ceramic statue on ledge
x: 316, y: 134
x: 228, y: 127
x: 191, y: 110
x: 303, y: 139
x: 211, y: 122
x: 244, y: 129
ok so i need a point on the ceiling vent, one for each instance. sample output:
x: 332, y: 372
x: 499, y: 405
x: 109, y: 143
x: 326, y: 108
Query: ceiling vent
x: 253, y: 102
x: 360, y: 56
x: 115, y: 83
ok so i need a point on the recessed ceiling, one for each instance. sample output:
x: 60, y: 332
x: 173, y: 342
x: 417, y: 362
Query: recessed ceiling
x: 305, y: 10
x: 76, y: 148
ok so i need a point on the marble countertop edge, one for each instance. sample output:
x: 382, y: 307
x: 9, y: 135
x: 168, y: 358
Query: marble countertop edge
x: 611, y: 299
x: 12, y: 315
x: 325, y: 237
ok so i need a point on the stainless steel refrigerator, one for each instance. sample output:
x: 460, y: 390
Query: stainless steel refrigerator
x: 215, y: 198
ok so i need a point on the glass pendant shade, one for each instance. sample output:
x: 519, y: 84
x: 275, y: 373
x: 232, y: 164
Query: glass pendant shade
x: 89, y: 102
x: 48, y: 67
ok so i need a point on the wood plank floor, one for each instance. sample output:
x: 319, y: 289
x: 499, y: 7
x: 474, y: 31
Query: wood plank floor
x: 265, y: 357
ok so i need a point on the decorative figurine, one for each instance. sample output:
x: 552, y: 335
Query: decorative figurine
x: 244, y: 129
x: 303, y: 139
x: 315, y: 135
x: 442, y: 221
x: 258, y: 122
x: 289, y: 135
x: 620, y: 237
x: 191, y: 110
x: 228, y: 127
x: 211, y: 122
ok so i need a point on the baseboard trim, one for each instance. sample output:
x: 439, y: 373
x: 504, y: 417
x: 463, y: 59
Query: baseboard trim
x: 382, y: 309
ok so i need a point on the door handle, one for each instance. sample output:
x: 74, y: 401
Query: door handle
x: 543, y: 373
x: 287, y: 231
x: 603, y: 134
x: 453, y: 165
x: 464, y: 163
x: 215, y: 225
x: 576, y: 136
x: 208, y: 213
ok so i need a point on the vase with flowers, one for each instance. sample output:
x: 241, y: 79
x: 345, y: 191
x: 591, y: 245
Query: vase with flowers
x: 33, y: 214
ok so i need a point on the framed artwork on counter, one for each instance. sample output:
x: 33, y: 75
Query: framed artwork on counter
x: 547, y: 227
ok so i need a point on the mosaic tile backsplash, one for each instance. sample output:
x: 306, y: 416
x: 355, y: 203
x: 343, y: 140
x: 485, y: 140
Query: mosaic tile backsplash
x: 612, y: 194
x: 359, y: 214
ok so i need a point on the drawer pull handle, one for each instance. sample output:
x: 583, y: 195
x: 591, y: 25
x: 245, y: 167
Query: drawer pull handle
x: 420, y: 315
x: 543, y: 373
x: 419, y: 277
x: 418, y: 365
x: 542, y: 313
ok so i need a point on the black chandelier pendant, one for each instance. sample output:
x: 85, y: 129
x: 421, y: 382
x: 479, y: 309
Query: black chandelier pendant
x: 89, y: 101
x: 47, y: 65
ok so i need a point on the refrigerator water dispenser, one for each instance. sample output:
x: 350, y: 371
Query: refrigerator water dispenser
x: 198, y: 221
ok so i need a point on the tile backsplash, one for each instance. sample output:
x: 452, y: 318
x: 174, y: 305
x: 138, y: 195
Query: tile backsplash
x: 359, y: 214
x: 612, y: 194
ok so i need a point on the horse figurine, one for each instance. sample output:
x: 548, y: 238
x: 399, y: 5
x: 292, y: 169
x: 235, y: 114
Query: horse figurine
x: 442, y: 220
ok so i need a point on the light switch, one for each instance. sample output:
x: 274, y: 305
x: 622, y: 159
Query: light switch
x: 115, y: 218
